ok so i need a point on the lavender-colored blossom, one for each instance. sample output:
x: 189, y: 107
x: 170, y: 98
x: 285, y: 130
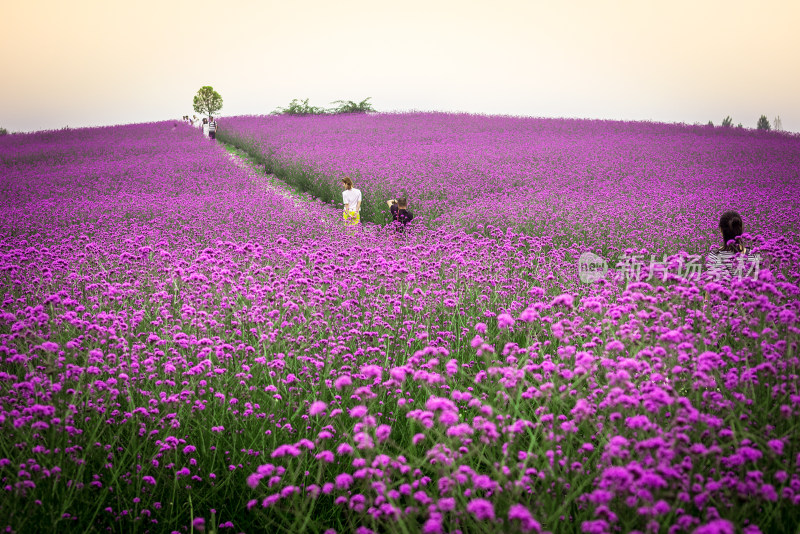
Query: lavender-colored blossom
x: 481, y: 509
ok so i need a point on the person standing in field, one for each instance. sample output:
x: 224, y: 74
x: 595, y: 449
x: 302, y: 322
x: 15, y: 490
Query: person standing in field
x: 400, y: 213
x: 351, y: 197
x: 212, y: 128
x: 204, y: 127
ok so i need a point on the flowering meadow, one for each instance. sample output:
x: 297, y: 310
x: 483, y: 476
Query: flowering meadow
x: 184, y: 350
x: 620, y: 184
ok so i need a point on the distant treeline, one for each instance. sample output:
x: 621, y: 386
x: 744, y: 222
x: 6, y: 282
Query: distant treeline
x: 302, y: 107
x: 762, y: 124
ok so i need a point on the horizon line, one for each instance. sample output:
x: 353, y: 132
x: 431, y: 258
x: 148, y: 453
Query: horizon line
x: 411, y: 111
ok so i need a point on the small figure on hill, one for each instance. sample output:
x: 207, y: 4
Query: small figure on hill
x: 734, y: 258
x: 352, y: 202
x: 401, y: 215
x: 212, y: 128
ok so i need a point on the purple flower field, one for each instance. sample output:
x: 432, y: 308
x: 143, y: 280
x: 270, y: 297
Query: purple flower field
x: 617, y: 184
x: 184, y: 350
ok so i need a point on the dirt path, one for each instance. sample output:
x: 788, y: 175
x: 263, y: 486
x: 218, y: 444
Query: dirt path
x: 267, y: 182
x: 306, y: 205
x: 330, y: 217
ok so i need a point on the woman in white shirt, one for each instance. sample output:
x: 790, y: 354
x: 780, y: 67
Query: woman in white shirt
x: 352, y: 202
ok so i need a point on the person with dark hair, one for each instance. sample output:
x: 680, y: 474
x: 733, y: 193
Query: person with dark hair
x: 204, y: 127
x: 729, y: 260
x: 212, y: 128
x: 400, y: 212
x: 351, y: 198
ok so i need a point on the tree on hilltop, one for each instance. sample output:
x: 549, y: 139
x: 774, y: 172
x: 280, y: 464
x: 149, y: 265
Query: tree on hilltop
x: 763, y: 123
x: 207, y: 101
x: 727, y: 122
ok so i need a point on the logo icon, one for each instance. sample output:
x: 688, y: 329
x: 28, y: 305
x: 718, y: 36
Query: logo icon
x: 591, y: 268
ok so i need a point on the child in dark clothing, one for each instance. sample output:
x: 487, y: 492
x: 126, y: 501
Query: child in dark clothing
x: 400, y: 212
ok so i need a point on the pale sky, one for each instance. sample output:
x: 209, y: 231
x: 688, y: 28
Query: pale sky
x: 98, y: 62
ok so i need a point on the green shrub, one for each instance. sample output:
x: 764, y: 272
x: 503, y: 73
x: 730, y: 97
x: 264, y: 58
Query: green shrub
x: 297, y: 107
x: 302, y: 107
x: 763, y: 123
x: 348, y: 106
x: 3, y: 131
x: 727, y: 122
